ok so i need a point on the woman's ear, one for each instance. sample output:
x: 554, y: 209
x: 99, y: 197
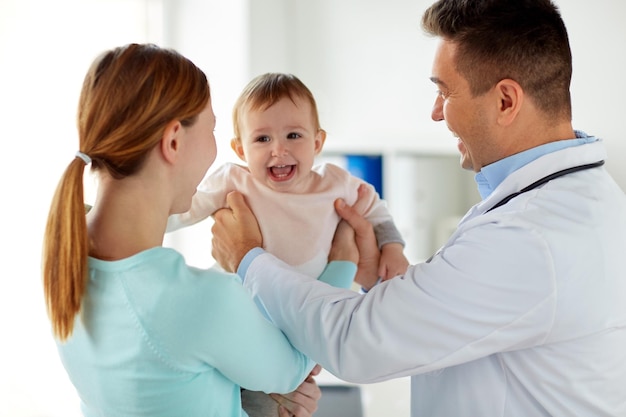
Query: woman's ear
x: 170, y: 141
x: 320, y: 138
x: 510, y: 96
x: 238, y: 148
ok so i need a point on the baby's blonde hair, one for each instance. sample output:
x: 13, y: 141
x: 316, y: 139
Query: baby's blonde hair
x: 266, y: 90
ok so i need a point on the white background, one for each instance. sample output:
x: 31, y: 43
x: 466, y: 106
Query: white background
x: 365, y: 60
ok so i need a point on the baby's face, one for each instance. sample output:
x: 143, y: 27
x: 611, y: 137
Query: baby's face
x: 280, y: 143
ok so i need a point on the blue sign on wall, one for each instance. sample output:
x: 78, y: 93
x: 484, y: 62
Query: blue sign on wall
x: 369, y: 168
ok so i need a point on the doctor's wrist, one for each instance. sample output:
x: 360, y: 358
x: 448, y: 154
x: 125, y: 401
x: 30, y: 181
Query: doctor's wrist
x: 247, y: 259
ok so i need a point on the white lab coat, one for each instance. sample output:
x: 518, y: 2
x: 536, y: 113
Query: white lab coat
x: 521, y: 313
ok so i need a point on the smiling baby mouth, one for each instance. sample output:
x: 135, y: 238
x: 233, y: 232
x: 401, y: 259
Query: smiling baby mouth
x: 281, y: 172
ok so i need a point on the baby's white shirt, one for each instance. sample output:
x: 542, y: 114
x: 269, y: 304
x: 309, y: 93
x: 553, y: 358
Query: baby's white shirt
x: 296, y: 227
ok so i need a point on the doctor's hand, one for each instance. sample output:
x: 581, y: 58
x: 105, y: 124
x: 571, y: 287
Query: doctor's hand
x: 303, y: 401
x: 361, y: 234
x: 235, y: 232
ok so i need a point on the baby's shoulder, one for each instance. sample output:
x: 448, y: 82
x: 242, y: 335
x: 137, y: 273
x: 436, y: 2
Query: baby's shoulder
x: 332, y: 171
x: 337, y: 182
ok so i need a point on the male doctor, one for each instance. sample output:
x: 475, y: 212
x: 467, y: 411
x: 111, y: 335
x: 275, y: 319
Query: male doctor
x: 522, y: 312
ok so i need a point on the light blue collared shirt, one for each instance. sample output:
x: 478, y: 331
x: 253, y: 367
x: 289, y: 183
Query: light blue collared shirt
x: 492, y: 175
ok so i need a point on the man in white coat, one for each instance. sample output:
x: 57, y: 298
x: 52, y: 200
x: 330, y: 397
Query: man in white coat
x: 522, y: 312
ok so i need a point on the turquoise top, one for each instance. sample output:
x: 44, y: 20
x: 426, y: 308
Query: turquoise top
x: 156, y: 337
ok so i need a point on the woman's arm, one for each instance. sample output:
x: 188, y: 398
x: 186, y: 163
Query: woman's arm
x: 232, y: 335
x: 303, y: 401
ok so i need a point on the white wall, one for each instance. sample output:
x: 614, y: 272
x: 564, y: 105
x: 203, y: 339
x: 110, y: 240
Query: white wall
x: 365, y: 60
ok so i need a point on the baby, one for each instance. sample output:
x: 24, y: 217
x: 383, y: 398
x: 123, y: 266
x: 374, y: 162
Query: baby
x: 278, y: 135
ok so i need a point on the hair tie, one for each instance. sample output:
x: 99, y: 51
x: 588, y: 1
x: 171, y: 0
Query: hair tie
x: 86, y: 159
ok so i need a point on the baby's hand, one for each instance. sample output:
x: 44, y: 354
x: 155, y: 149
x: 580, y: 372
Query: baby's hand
x: 392, y: 261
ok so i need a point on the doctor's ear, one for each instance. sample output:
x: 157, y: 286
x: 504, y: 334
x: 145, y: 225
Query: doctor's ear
x: 510, y: 96
x: 235, y: 143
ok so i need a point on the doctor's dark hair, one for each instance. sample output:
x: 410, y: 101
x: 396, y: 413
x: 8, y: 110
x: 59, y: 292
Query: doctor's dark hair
x: 522, y: 40
x: 266, y: 90
x: 128, y: 97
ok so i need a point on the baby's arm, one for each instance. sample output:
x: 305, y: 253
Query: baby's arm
x: 209, y: 197
x: 392, y: 261
x: 390, y: 242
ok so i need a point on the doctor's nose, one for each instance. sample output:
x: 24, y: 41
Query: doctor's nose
x: 437, y: 112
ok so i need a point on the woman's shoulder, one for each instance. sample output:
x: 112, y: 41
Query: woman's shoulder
x: 163, y: 274
x: 163, y: 266
x: 331, y: 170
x: 154, y: 256
x: 212, y: 282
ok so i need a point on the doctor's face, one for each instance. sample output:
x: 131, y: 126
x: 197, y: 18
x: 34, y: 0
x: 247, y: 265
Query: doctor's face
x: 466, y: 116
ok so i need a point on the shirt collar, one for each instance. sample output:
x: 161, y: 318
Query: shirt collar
x: 490, y: 176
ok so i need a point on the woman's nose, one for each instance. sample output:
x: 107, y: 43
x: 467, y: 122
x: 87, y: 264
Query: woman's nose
x: 437, y: 113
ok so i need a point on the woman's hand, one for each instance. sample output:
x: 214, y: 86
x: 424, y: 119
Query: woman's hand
x: 303, y: 401
x: 235, y: 232
x: 362, y: 236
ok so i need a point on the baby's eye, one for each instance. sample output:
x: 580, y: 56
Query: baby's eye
x: 294, y: 135
x: 263, y: 139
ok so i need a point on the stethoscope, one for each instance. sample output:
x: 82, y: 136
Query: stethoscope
x: 539, y: 183
x: 544, y: 180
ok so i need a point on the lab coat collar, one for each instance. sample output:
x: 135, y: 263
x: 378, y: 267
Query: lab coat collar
x: 546, y: 164
x: 493, y: 174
